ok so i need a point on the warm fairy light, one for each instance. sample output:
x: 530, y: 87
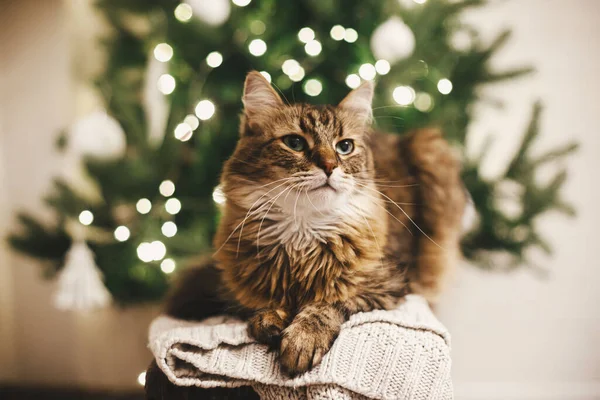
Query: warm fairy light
x: 313, y: 87
x: 192, y: 121
x: 205, y: 109
x: 257, y: 47
x: 306, y: 35
x: 143, y: 206
x: 266, y: 75
x: 420, y: 1
x: 144, y: 252
x: 382, y: 67
x: 142, y: 377
x: 169, y: 229
x: 122, y: 233
x: 173, y: 206
x: 163, y: 52
x: 313, y: 48
x: 218, y: 195
x: 241, y: 3
x: 214, y: 59
x: 183, y: 132
x: 167, y: 265
x: 183, y: 12
x: 290, y: 67
x: 444, y: 86
x: 257, y: 27
x: 367, y: 72
x: 86, y: 217
x: 337, y: 32
x: 350, y: 35
x: 353, y: 81
x: 424, y: 102
x: 167, y: 188
x: 159, y: 250
x: 404, y: 95
x: 298, y: 75
x: 166, y: 84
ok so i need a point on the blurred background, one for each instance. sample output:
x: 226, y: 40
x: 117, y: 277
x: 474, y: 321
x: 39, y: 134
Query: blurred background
x: 525, y: 323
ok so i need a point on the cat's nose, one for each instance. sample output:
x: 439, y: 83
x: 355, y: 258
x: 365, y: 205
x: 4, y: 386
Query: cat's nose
x: 328, y: 167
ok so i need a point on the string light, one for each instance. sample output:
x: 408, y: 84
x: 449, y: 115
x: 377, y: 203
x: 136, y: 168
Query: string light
x: 167, y: 265
x: 183, y: 12
x: 266, y: 75
x: 350, y: 35
x: 257, y: 27
x: 144, y: 252
x: 169, y: 229
x: 298, y: 76
x: 192, y: 121
x: 173, y: 206
x: 290, y: 67
x: 163, y: 52
x: 424, y: 102
x: 241, y: 3
x: 382, y: 67
x: 404, y: 95
x: 122, y: 233
x: 158, y: 250
x: 143, y: 206
x: 142, y: 379
x: 353, y: 81
x: 306, y: 35
x: 367, y: 72
x: 420, y: 1
x: 183, y: 132
x: 167, y: 188
x: 313, y: 48
x: 218, y: 195
x: 444, y: 86
x: 257, y: 47
x: 205, y: 109
x: 86, y: 217
x: 214, y: 59
x: 166, y: 84
x: 313, y: 87
x: 337, y: 33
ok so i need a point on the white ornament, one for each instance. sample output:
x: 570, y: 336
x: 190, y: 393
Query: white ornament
x: 393, y: 40
x: 461, y: 41
x: 156, y: 106
x: 97, y: 135
x: 80, y: 285
x: 213, y: 12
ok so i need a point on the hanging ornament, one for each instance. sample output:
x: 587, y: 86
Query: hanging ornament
x: 97, y: 135
x: 80, y: 285
x: 213, y: 12
x: 156, y: 106
x: 392, y: 40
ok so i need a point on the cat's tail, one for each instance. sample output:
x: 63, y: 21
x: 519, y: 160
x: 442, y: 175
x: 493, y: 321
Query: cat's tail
x: 442, y: 201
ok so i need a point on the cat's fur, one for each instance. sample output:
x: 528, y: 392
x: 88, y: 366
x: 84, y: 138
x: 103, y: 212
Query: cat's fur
x: 308, y: 238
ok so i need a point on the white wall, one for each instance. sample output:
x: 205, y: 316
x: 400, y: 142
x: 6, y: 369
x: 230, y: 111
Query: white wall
x: 517, y: 336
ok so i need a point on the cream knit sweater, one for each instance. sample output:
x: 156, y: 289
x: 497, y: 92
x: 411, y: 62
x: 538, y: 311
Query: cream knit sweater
x: 398, y: 354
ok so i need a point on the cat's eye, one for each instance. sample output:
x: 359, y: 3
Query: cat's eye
x: 295, y: 142
x: 344, y: 147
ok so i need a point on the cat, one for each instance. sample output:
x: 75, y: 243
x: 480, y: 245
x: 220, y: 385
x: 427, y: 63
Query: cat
x: 324, y: 218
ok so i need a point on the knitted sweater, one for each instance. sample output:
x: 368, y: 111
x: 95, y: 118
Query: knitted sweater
x: 398, y: 354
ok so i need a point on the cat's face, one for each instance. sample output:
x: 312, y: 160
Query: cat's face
x: 300, y: 158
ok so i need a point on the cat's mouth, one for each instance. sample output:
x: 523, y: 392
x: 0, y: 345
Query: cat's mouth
x: 325, y: 186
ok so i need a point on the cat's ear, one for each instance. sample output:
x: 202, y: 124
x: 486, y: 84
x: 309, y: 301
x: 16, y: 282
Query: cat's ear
x: 359, y: 101
x: 259, y: 97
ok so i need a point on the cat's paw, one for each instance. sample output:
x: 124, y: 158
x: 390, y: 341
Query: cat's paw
x: 303, y: 347
x: 266, y: 326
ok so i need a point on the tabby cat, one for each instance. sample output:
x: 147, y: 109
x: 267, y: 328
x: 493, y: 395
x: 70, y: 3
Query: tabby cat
x: 325, y: 218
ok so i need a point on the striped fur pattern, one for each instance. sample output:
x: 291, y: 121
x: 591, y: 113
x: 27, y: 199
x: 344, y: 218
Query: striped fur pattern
x: 310, y: 235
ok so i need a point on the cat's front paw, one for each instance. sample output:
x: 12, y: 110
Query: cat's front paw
x: 303, y: 347
x: 266, y: 326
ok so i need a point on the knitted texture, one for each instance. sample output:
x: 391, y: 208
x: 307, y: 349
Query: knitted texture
x: 399, y: 354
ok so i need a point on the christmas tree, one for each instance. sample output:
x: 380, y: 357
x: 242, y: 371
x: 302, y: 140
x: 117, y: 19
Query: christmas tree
x: 172, y: 85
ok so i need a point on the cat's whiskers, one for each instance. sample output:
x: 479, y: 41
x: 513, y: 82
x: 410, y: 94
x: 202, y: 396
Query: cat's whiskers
x: 310, y: 201
x: 405, y: 214
x: 266, y: 213
x: 387, y: 211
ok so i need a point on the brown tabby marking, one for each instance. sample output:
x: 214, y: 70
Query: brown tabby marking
x: 310, y: 235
